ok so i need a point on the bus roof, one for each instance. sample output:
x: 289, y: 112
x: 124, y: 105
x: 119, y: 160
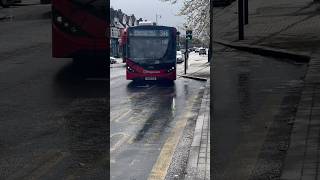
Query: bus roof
x: 150, y: 27
x: 147, y: 23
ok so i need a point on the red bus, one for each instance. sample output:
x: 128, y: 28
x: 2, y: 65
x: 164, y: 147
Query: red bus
x: 150, y: 52
x: 79, y: 29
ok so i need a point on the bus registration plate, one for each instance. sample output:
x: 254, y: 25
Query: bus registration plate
x: 150, y: 78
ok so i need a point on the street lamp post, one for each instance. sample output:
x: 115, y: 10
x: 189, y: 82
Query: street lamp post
x: 186, y: 57
x: 211, y: 31
x: 246, y: 12
x: 157, y: 15
x: 240, y: 19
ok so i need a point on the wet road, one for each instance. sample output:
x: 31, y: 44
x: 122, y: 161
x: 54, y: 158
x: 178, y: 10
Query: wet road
x: 254, y: 98
x: 53, y: 118
x: 146, y: 120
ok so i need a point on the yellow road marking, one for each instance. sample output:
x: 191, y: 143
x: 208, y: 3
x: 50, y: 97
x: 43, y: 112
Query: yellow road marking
x: 41, y: 166
x: 121, y: 141
x: 160, y: 168
x: 121, y: 116
x: 130, y: 141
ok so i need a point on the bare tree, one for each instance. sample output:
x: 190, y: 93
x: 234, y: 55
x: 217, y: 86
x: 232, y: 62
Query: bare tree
x: 198, y: 16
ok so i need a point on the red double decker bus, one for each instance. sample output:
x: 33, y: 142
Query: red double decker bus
x: 79, y: 29
x: 149, y: 52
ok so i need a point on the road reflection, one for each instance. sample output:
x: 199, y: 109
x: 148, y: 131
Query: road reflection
x: 85, y: 124
x: 87, y: 134
x: 244, y: 90
x: 144, y: 114
x: 159, y: 99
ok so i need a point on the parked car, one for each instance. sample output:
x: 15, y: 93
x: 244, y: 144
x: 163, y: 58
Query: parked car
x: 112, y: 60
x: 196, y: 50
x: 180, y: 57
x: 202, y: 51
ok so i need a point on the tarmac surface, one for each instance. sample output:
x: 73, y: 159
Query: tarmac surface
x: 149, y: 119
x: 249, y: 92
x: 286, y: 28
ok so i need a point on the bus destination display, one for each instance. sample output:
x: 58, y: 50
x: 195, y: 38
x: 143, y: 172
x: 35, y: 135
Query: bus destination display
x: 149, y: 33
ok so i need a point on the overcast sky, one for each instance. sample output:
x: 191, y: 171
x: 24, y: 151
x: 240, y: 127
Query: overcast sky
x: 147, y: 9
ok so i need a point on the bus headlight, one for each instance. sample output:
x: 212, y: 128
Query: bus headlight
x: 73, y: 29
x: 171, y: 69
x: 59, y: 19
x: 130, y: 69
x: 65, y: 25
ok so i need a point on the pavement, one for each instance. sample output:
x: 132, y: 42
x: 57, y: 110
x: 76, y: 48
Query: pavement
x: 282, y: 28
x: 198, y: 166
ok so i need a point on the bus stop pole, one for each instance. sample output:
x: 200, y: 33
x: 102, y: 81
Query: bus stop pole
x: 240, y: 19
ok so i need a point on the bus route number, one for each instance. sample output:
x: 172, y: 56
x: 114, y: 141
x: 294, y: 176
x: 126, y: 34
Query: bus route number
x: 164, y: 33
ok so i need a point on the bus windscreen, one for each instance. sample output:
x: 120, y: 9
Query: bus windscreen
x: 150, y: 46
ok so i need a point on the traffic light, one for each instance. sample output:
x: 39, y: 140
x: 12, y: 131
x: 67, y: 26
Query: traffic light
x: 188, y: 34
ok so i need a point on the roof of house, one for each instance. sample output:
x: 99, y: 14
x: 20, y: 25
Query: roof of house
x: 120, y: 15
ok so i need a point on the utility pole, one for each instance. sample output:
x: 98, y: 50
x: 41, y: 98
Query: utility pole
x: 240, y: 19
x: 246, y: 12
x: 157, y: 18
x: 186, y: 57
x: 211, y: 31
x: 178, y: 39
